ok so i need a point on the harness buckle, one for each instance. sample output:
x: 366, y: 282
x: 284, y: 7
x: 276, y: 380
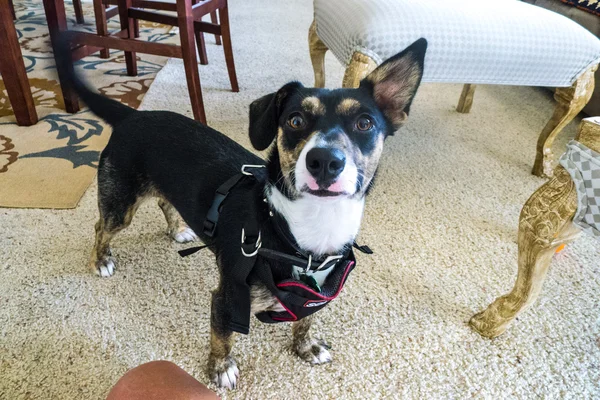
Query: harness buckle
x: 325, y: 264
x: 250, y: 166
x: 253, y: 250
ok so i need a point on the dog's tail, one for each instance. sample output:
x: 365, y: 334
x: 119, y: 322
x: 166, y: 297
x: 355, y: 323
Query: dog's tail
x: 109, y: 110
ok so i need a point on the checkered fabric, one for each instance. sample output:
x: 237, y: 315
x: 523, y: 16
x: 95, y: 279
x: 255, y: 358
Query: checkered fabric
x: 470, y: 41
x: 583, y: 165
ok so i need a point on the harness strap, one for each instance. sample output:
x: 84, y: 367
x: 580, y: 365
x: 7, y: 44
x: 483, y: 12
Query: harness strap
x: 239, y: 320
x: 212, y: 217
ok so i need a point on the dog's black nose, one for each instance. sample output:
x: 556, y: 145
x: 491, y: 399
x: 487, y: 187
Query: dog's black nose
x: 325, y: 164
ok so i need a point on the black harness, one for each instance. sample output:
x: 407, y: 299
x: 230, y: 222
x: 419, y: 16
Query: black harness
x: 299, y: 297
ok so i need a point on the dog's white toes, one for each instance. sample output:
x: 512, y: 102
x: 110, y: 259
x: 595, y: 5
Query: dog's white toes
x: 323, y: 357
x: 185, y: 235
x: 228, y: 378
x: 314, y: 352
x: 105, y: 267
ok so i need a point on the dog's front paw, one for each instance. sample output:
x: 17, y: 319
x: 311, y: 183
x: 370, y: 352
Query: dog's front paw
x: 225, y: 373
x: 184, y: 235
x: 313, y: 352
x: 104, y: 267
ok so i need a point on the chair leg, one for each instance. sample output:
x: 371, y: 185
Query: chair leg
x: 12, y: 9
x: 466, y: 99
x: 128, y: 24
x: 317, y: 55
x: 360, y: 66
x: 545, y: 224
x: 57, y: 23
x: 215, y: 20
x: 570, y: 101
x: 13, y: 71
x: 227, y: 48
x: 101, y: 24
x: 201, y: 44
x: 78, y: 12
x: 185, y: 19
x: 136, y: 28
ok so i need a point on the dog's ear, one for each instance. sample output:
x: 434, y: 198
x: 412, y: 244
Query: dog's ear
x: 394, y: 83
x: 264, y: 115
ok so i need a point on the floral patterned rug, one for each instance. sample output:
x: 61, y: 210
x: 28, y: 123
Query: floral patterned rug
x: 51, y: 164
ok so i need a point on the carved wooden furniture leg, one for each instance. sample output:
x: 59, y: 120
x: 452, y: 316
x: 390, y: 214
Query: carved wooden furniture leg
x: 13, y: 71
x: 360, y: 66
x: 466, y: 98
x: 545, y: 223
x: 570, y: 102
x: 317, y: 55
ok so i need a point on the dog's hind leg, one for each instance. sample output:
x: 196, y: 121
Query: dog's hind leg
x: 112, y: 220
x: 307, y: 348
x: 119, y: 197
x: 177, y: 229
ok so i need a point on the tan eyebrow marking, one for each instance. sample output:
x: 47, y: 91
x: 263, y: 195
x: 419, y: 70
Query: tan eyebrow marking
x: 313, y: 105
x: 347, y: 106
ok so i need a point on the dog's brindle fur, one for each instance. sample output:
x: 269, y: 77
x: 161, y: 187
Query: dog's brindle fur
x: 166, y: 155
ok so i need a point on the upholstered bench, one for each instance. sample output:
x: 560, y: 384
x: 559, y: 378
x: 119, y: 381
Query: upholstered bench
x: 501, y: 42
x: 552, y: 217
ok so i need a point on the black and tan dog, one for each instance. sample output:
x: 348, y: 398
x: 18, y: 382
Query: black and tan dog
x: 319, y: 171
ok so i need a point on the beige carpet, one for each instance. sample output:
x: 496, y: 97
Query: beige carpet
x: 51, y: 164
x: 442, y: 221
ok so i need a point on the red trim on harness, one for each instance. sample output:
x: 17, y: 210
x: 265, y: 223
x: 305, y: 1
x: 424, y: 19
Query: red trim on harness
x: 294, y: 317
x: 285, y: 284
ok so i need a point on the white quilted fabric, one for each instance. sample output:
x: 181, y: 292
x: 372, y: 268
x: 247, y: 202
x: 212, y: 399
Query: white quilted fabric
x: 470, y: 41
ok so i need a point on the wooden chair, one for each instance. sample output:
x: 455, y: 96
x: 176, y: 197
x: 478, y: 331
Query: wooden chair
x: 12, y: 69
x: 191, y: 28
x: 107, y: 9
x: 76, y: 5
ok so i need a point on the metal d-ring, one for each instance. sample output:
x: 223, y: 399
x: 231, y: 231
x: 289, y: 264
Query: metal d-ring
x: 257, y: 245
x: 250, y: 166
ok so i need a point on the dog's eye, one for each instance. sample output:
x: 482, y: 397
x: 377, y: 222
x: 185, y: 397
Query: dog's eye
x: 364, y: 123
x: 296, y: 121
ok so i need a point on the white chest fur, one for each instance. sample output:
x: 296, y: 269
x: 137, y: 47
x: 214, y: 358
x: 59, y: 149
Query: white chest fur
x: 319, y: 225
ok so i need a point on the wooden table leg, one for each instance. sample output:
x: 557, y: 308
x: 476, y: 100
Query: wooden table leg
x: 57, y: 23
x: 13, y: 71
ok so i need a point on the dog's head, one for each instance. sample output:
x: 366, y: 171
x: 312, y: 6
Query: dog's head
x: 328, y: 142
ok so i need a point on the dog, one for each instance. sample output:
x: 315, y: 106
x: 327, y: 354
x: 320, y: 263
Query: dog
x: 306, y: 203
